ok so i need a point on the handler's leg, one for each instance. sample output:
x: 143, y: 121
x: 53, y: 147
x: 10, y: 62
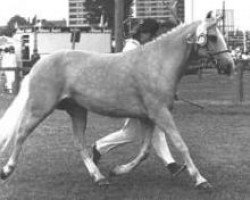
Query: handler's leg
x: 147, y: 129
x: 164, y: 120
x: 160, y: 145
x: 10, y: 77
x: 127, y: 134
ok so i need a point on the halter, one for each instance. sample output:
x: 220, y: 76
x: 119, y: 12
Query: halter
x: 220, y: 52
x: 204, y: 46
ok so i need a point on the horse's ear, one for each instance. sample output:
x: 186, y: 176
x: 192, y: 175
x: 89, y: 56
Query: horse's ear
x: 210, y: 20
x: 209, y: 15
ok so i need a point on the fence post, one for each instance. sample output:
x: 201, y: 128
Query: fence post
x: 200, y: 69
x: 119, y: 17
x: 17, y: 80
x: 240, y: 81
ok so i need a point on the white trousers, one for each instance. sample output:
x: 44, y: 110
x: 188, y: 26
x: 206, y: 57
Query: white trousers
x: 128, y: 134
x: 10, y: 78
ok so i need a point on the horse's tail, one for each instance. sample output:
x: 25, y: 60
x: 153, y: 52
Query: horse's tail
x: 12, y: 117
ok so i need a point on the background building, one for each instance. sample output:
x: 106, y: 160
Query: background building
x: 227, y: 24
x: 76, y: 13
x: 156, y: 9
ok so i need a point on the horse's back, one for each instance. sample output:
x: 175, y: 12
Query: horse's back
x: 99, y: 82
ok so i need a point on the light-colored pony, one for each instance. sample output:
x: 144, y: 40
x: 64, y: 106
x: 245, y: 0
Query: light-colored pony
x: 137, y: 84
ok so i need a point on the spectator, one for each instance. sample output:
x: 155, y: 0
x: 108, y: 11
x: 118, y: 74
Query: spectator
x: 2, y: 74
x: 35, y: 57
x: 246, y: 56
x: 1, y: 57
x: 238, y: 53
x: 9, y: 61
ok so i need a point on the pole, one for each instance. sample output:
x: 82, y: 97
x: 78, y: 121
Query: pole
x: 35, y: 39
x: 240, y: 81
x: 17, y: 80
x: 223, y: 19
x: 74, y: 40
x: 244, y: 42
x: 119, y: 16
x: 192, y: 10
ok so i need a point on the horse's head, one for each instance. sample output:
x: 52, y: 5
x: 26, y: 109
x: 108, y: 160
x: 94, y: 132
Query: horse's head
x: 210, y: 42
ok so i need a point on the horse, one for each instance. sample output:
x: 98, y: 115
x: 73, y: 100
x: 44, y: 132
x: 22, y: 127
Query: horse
x: 138, y: 84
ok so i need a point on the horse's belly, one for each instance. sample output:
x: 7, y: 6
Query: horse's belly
x: 111, y: 106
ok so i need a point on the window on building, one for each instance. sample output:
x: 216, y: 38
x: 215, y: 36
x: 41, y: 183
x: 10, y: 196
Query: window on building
x: 72, y: 10
x: 72, y: 4
x: 73, y: 16
x: 72, y: 22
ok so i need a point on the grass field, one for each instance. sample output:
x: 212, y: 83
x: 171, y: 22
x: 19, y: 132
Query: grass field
x: 218, y: 138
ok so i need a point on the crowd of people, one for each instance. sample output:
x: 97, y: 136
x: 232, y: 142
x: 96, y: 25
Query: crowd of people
x: 8, y: 60
x: 238, y: 53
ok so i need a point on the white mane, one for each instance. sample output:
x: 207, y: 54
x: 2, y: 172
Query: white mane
x: 168, y: 35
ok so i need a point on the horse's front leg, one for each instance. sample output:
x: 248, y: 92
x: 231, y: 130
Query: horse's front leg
x: 147, y: 128
x: 164, y: 121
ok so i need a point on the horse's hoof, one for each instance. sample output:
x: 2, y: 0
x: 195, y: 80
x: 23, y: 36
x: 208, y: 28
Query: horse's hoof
x: 103, y: 183
x: 205, y: 186
x: 5, y: 174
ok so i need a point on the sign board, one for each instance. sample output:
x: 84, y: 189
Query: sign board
x: 75, y: 36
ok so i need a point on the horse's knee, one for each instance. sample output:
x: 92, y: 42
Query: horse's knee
x: 178, y: 142
x: 182, y: 147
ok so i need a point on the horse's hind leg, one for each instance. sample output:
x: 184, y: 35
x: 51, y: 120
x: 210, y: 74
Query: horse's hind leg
x: 79, y: 120
x: 29, y: 119
x: 147, y: 129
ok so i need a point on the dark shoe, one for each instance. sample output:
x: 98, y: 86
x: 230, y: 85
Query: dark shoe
x: 96, y: 156
x: 175, y: 169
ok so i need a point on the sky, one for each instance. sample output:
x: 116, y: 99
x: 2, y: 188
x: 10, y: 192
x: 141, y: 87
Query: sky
x: 241, y: 10
x: 58, y: 9
x: 44, y: 9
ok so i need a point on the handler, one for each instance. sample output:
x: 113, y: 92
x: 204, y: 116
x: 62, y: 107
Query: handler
x: 143, y: 33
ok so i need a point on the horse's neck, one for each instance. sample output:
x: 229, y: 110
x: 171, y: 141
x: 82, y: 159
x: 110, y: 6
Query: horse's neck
x: 173, y: 52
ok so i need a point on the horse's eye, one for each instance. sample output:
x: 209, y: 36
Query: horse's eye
x: 212, y: 38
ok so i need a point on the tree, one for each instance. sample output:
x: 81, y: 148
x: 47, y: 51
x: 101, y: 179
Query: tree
x: 10, y: 29
x: 95, y: 8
